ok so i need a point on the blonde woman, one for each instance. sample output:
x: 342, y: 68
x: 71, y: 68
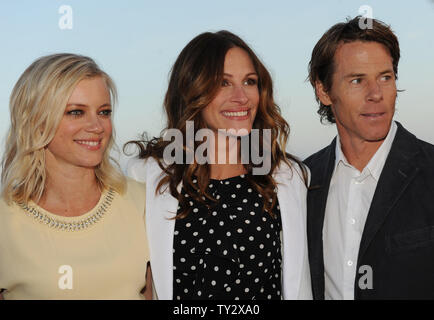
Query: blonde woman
x: 71, y: 226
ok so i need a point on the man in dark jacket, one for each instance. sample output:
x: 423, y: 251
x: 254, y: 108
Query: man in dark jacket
x: 371, y: 196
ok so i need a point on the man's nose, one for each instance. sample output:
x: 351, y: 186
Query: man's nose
x: 375, y: 92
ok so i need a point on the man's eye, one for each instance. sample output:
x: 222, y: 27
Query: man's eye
x: 386, y: 78
x: 356, y: 81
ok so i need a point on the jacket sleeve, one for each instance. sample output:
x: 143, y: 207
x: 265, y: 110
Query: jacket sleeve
x: 136, y: 169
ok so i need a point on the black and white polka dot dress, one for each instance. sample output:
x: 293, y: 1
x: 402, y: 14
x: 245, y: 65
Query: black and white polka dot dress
x: 231, y: 251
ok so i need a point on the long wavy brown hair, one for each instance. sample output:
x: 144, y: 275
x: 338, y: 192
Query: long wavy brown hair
x: 195, y: 80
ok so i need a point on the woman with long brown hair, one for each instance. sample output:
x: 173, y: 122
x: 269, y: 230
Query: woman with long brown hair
x: 223, y: 222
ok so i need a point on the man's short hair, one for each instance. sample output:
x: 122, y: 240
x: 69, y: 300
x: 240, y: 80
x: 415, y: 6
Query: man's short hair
x: 321, y: 65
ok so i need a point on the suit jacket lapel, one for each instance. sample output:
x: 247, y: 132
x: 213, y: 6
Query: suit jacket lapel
x: 398, y: 172
x: 321, y: 172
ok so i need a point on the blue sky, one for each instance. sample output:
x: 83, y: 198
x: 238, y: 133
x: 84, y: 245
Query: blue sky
x: 137, y: 41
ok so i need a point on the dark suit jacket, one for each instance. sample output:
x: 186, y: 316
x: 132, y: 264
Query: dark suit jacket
x: 398, y: 238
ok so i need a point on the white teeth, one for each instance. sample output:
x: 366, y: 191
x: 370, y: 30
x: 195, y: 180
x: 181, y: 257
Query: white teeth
x: 235, y: 114
x: 89, y: 143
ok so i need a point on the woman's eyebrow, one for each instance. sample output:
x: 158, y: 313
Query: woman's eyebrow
x: 249, y: 74
x: 86, y: 106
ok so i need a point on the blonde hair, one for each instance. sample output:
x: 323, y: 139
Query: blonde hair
x: 37, y: 105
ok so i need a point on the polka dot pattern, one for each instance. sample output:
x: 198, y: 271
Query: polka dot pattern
x: 230, y: 250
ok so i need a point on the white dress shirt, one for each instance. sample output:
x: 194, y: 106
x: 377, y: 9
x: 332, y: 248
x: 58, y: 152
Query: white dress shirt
x: 348, y: 203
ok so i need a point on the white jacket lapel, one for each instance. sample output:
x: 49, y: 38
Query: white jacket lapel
x: 292, y: 195
x: 160, y: 228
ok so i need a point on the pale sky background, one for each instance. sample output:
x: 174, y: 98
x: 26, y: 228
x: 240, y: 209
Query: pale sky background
x: 137, y: 42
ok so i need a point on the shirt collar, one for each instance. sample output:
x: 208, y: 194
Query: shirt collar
x: 376, y: 164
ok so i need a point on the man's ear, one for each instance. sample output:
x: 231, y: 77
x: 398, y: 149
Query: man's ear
x: 322, y: 93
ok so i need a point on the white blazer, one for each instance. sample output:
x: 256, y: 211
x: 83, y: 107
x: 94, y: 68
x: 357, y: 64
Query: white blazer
x: 291, y: 193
